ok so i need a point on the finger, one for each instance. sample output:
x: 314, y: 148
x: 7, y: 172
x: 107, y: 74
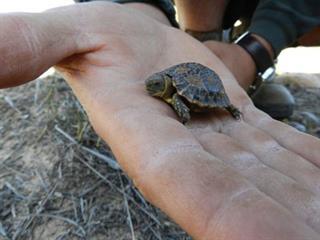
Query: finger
x: 303, y: 144
x: 272, y: 154
x: 170, y: 167
x: 283, y: 189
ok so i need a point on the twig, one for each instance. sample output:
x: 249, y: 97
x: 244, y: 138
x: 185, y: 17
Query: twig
x: 111, y: 163
x: 127, y: 208
x: 36, y: 94
x: 155, y: 234
x: 42, y: 181
x: 2, y: 231
x: 66, y: 135
x: 5, y: 174
x: 43, y: 131
x: 48, y: 96
x: 74, y: 204
x: 70, y: 221
x: 63, y: 234
x: 117, y: 189
x: 38, y: 211
x: 13, y: 211
x: 60, y: 170
x: 14, y: 170
x: 140, y: 197
x: 8, y: 100
x: 85, y: 192
x: 82, y: 209
x: 15, y: 191
x: 11, y: 104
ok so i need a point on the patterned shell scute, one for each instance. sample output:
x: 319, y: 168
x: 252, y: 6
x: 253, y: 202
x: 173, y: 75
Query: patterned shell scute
x: 199, y: 85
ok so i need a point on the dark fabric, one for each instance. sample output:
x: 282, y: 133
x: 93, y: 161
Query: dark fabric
x: 237, y: 9
x: 282, y: 22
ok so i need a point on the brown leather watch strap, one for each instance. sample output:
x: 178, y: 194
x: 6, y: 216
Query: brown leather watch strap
x: 261, y: 57
x: 258, y: 52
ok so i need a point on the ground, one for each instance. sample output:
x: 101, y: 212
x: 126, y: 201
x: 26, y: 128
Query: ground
x: 59, y: 180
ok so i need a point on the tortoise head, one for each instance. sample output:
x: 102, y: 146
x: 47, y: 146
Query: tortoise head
x: 157, y: 84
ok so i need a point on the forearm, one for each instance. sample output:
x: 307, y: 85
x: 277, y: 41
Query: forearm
x: 31, y: 43
x: 245, y: 69
x: 201, y: 15
x: 151, y: 11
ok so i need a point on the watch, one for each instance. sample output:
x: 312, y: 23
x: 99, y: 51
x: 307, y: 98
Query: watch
x: 260, y: 55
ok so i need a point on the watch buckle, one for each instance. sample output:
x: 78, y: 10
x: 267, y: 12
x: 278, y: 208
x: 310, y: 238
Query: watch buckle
x: 268, y: 75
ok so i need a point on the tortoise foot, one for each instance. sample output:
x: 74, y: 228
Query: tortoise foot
x: 235, y: 112
x: 181, y: 108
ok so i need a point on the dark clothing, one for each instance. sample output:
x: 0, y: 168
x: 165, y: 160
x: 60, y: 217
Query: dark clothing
x: 237, y: 9
x: 280, y: 22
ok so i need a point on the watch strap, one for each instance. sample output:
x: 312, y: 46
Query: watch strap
x: 260, y: 55
x: 257, y: 51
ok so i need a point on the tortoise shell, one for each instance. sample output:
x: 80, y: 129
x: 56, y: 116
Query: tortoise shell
x: 200, y: 85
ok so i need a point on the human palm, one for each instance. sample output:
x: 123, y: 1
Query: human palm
x: 217, y: 177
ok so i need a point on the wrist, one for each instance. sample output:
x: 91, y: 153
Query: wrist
x: 261, y: 52
x: 266, y: 45
x: 244, y: 69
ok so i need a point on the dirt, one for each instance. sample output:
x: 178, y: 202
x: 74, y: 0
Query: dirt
x: 53, y: 187
x: 53, y: 182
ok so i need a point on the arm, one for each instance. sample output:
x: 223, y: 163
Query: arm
x: 57, y: 36
x: 25, y: 56
x: 207, y: 176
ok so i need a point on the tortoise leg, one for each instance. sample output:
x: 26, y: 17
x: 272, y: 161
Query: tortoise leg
x: 235, y: 112
x: 181, y: 108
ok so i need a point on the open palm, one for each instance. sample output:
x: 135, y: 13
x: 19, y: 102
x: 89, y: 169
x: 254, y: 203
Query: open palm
x: 217, y: 177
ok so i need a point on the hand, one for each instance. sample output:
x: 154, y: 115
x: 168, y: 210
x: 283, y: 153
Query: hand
x: 216, y: 177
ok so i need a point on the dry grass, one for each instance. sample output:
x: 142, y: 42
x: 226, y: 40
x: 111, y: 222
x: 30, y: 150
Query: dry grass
x: 59, y: 180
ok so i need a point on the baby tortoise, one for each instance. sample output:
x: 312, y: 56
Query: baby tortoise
x: 190, y: 86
